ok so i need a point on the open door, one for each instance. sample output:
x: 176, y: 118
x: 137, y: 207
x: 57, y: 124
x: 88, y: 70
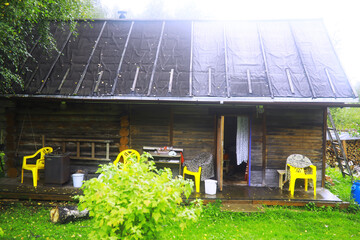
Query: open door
x: 220, y: 151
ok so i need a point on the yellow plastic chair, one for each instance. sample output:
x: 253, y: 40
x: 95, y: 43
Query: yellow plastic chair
x: 40, y: 164
x: 125, y: 155
x: 301, y: 167
x: 196, y: 176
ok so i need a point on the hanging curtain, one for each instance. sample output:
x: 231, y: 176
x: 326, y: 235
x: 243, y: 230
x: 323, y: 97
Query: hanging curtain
x: 242, y: 139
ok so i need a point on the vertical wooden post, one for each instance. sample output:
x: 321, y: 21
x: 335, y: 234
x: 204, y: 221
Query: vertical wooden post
x: 220, y: 151
x: 325, y: 114
x: 344, y: 147
x: 93, y: 150
x: 108, y: 151
x: 10, y: 144
x: 171, y: 128
x: 78, y: 149
x: 264, y: 150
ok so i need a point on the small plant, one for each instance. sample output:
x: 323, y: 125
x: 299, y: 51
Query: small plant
x: 311, y: 206
x: 136, y: 202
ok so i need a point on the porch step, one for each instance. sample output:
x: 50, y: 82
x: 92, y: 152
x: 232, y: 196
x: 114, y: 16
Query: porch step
x: 236, y: 207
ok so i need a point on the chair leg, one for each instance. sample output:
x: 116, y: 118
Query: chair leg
x: 197, y: 183
x: 314, y: 183
x: 306, y: 184
x: 22, y: 175
x: 197, y: 180
x: 292, y: 186
x: 35, y: 177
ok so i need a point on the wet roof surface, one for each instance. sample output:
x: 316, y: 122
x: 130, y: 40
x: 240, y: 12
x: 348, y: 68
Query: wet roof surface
x: 190, y: 59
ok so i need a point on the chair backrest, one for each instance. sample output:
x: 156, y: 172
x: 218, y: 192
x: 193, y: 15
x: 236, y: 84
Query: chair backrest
x: 126, y: 154
x: 298, y: 161
x: 43, y: 151
x: 203, y: 157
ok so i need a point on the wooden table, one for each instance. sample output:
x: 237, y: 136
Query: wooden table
x: 164, y: 159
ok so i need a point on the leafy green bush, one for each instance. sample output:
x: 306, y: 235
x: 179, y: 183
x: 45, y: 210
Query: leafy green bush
x: 138, y: 202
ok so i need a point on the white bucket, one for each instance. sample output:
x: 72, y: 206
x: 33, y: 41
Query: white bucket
x: 77, y: 179
x: 210, y: 186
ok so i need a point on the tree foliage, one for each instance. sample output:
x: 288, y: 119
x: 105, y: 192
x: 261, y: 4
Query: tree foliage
x: 138, y: 202
x: 24, y: 23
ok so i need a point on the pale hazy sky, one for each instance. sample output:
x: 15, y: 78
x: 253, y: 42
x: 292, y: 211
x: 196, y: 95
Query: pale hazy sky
x: 341, y: 17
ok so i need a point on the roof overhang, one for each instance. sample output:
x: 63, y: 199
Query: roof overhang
x: 333, y: 102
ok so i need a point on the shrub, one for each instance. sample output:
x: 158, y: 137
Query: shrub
x: 137, y: 202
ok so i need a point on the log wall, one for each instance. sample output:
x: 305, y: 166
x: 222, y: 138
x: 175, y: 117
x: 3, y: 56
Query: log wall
x: 290, y: 131
x: 190, y: 128
x: 32, y: 120
x: 276, y: 133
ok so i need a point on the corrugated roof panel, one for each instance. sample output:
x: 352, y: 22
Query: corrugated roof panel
x: 221, y: 60
x: 44, y: 61
x: 140, y: 52
x: 208, y: 59
x: 174, y: 54
x: 245, y: 62
x: 285, y: 68
x: 318, y: 55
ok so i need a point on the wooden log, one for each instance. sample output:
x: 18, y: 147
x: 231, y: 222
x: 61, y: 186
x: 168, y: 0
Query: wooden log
x: 125, y: 123
x: 124, y: 140
x: 67, y: 214
x: 123, y: 147
x: 124, y: 132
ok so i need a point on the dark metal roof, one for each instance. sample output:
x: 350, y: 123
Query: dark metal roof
x: 193, y: 60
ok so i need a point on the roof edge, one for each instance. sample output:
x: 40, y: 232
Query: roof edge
x: 219, y: 100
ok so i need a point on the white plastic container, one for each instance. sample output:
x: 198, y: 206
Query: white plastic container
x: 78, y: 178
x: 210, y: 186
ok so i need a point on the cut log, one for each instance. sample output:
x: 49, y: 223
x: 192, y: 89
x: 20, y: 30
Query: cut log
x: 124, y: 140
x: 124, y: 123
x: 67, y: 214
x: 124, y: 132
x: 123, y: 147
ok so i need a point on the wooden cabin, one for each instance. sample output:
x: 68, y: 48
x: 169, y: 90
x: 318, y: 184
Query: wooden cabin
x: 249, y: 92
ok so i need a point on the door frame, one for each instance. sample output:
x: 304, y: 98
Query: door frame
x: 220, y: 120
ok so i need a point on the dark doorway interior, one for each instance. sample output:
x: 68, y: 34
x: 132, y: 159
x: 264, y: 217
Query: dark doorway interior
x: 233, y: 174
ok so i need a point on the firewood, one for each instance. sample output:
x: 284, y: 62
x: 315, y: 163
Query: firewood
x: 67, y: 214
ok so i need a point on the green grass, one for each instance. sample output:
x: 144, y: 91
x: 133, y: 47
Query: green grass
x: 32, y: 222
x: 274, y: 223
x: 342, y: 185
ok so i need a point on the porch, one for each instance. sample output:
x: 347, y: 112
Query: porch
x: 11, y: 188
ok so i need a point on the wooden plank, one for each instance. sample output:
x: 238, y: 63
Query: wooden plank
x: 89, y: 158
x: 78, y: 140
x: 220, y: 151
x: 264, y: 148
x: 93, y: 150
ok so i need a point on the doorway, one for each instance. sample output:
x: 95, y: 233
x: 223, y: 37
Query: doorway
x: 236, y: 150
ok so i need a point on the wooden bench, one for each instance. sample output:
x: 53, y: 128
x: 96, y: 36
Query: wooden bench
x: 78, y: 141
x: 281, y: 178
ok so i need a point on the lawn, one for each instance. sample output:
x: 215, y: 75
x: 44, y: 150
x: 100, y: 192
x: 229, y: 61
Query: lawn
x: 19, y: 221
